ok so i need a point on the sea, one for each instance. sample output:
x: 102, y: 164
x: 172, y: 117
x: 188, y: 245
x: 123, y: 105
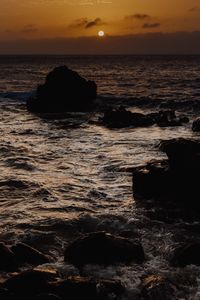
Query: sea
x: 63, y: 178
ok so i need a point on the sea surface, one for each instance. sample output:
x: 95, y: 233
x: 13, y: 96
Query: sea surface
x: 63, y: 178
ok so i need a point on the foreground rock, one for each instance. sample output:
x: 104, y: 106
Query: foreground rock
x: 196, y: 125
x: 120, y: 117
x: 187, y: 254
x: 26, y: 254
x: 63, y: 91
x: 175, y: 179
x: 35, y: 284
x: 104, y: 249
x: 8, y: 261
x: 156, y: 287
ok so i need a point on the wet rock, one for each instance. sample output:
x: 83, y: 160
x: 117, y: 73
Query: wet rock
x: 29, y: 255
x: 156, y: 287
x: 187, y: 254
x: 7, y: 259
x: 175, y: 179
x: 64, y: 90
x: 77, y: 288
x: 30, y: 283
x: 196, y: 125
x: 103, y: 248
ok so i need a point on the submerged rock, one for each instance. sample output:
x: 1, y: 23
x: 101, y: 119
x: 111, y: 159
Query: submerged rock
x: 175, y: 179
x: 120, y: 117
x: 104, y: 249
x: 7, y: 259
x: 196, y: 125
x: 26, y: 254
x: 156, y: 287
x: 187, y: 254
x: 64, y: 90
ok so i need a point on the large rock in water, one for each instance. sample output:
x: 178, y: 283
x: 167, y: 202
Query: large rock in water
x: 104, y: 249
x: 175, y: 179
x: 187, y: 254
x: 196, y: 125
x: 64, y: 90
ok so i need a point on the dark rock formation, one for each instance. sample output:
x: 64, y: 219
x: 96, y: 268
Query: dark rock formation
x: 29, y: 255
x: 120, y: 117
x: 77, y: 288
x: 196, y: 125
x: 103, y: 248
x: 156, y: 287
x: 175, y: 179
x: 47, y: 297
x: 64, y: 90
x: 187, y: 254
x: 7, y: 259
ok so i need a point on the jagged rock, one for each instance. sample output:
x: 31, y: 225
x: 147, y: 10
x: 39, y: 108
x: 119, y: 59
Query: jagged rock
x: 157, y: 287
x: 77, y: 288
x: 7, y: 259
x: 103, y: 248
x: 196, y: 125
x: 64, y: 90
x: 26, y: 254
x: 187, y: 254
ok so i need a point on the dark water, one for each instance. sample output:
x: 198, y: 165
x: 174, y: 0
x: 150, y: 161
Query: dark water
x: 58, y: 181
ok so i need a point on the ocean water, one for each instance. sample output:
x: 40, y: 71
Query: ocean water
x: 63, y: 178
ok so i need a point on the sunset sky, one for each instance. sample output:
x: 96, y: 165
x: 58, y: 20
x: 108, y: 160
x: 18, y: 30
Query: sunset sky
x: 60, y: 26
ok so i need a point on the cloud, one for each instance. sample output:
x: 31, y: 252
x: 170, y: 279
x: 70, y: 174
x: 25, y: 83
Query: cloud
x: 148, y: 43
x: 195, y: 9
x: 29, y: 28
x: 151, y: 25
x: 137, y: 16
x: 86, y: 24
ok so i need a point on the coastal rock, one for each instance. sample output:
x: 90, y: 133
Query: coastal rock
x: 26, y: 254
x: 77, y: 288
x: 120, y: 118
x: 104, y: 249
x: 7, y: 259
x: 64, y: 90
x: 175, y: 179
x: 30, y: 283
x: 196, y: 125
x: 156, y: 287
x: 187, y: 254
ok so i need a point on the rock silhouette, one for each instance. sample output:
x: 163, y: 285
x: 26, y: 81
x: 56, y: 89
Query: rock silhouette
x: 63, y: 91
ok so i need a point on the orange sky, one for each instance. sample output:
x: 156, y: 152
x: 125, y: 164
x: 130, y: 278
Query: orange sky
x: 49, y: 19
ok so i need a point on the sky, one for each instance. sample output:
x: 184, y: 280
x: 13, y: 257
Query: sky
x: 72, y: 26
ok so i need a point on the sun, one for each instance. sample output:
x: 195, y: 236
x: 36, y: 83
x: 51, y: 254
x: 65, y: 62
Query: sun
x: 101, y: 33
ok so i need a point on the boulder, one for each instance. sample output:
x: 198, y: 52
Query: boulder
x: 104, y: 249
x: 186, y: 254
x: 196, y: 125
x: 26, y: 254
x: 8, y: 260
x: 63, y: 91
x: 157, y: 287
x: 77, y: 288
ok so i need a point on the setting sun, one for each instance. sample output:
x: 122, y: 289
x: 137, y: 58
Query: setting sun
x: 101, y: 33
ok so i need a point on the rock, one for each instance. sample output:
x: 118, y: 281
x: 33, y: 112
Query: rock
x: 30, y: 283
x: 120, y: 117
x: 196, y: 125
x: 7, y: 259
x: 29, y: 255
x: 183, y: 154
x: 104, y: 249
x: 187, y: 254
x: 156, y: 287
x: 77, y: 288
x: 64, y: 90
x: 175, y: 179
